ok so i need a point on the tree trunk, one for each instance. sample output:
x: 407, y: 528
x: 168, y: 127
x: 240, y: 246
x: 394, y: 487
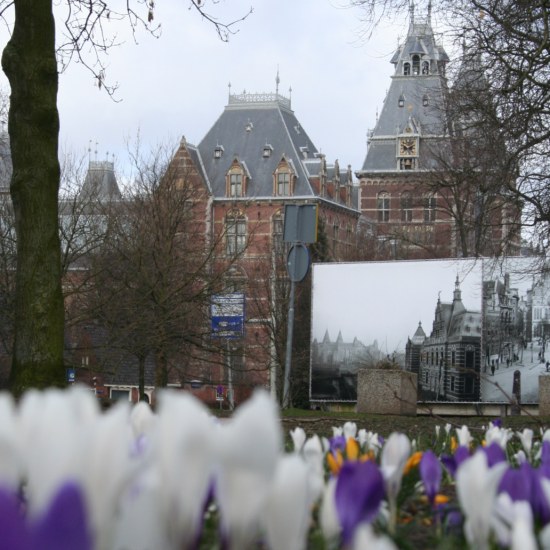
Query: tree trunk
x: 29, y: 63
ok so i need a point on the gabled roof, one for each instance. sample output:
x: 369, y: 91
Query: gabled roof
x: 249, y: 123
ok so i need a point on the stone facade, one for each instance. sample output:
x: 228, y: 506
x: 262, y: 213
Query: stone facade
x: 386, y: 392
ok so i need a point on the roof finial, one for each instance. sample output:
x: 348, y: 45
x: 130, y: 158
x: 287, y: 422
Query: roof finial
x: 229, y: 88
x: 277, y: 81
x: 95, y: 152
x: 90, y: 151
x: 290, y: 94
x: 411, y: 10
x: 430, y: 11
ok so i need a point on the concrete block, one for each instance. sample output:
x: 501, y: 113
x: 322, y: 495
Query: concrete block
x: 381, y: 391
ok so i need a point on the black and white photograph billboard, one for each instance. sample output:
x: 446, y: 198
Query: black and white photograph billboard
x: 516, y: 329
x: 420, y: 316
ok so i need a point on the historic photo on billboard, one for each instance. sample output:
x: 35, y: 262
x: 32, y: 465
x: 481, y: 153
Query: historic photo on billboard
x: 420, y: 316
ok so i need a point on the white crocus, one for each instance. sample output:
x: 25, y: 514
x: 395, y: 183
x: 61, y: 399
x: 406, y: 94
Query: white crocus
x: 464, y: 436
x: 395, y: 454
x: 54, y: 428
x: 495, y: 434
x: 286, y: 514
x: 142, y: 420
x: 526, y: 438
x: 365, y: 537
x: 476, y: 486
x: 247, y: 451
x: 184, y: 453
x: 337, y: 431
x: 523, y: 535
x: 298, y: 436
x: 314, y: 457
x: 328, y: 515
x: 350, y: 430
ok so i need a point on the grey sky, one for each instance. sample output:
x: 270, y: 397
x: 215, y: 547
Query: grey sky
x: 386, y: 300
x: 178, y: 84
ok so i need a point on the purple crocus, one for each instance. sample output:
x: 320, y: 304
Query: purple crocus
x: 359, y: 493
x: 63, y: 526
x: 524, y: 483
x: 430, y: 473
x: 495, y: 454
x: 452, y: 462
x: 338, y: 442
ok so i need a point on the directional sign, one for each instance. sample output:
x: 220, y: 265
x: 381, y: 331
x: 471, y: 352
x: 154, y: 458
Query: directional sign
x: 227, y: 314
x: 300, y: 224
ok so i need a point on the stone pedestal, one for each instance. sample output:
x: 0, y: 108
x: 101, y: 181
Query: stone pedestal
x: 381, y: 391
x: 544, y: 395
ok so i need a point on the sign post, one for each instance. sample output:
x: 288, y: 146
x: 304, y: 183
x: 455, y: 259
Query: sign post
x: 300, y: 227
x: 227, y: 317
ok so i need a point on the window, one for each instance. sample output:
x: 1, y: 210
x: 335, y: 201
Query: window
x: 407, y: 164
x: 425, y: 100
x: 425, y: 67
x: 406, y: 69
x: 120, y: 395
x: 218, y: 151
x: 278, y: 226
x: 406, y: 208
x: 235, y: 226
x: 283, y: 184
x: 235, y: 185
x: 429, y: 209
x: 401, y: 101
x: 383, y: 207
x: 416, y: 64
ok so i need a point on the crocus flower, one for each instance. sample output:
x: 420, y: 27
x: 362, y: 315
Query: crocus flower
x: 526, y: 438
x: 476, y: 486
x: 395, y: 454
x: 359, y: 493
x: 286, y: 514
x: 10, y: 452
x: 247, y: 453
x: 298, y: 436
x: 495, y: 454
x: 61, y: 526
x: 464, y: 436
x: 452, y: 462
x: 350, y: 430
x: 365, y: 537
x: 430, y: 473
x: 328, y: 516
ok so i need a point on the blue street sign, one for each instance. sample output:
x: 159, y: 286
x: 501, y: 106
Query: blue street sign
x: 71, y: 375
x: 227, y: 315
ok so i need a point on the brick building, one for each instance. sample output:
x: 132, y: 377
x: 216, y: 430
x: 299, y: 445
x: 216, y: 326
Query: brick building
x: 433, y: 180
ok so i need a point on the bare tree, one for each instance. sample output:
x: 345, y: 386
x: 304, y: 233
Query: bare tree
x: 31, y: 64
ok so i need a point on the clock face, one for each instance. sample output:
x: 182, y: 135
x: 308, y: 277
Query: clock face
x: 407, y: 147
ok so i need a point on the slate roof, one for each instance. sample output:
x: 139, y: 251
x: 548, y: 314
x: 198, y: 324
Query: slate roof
x: 100, y: 183
x: 243, y: 129
x: 413, y: 89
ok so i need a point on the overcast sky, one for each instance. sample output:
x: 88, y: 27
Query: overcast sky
x: 178, y: 84
x: 385, y: 301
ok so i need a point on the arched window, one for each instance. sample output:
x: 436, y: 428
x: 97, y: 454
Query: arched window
x: 425, y: 67
x: 277, y: 232
x: 406, y: 69
x: 235, y: 233
x: 406, y: 207
x: 416, y: 64
x: 383, y: 206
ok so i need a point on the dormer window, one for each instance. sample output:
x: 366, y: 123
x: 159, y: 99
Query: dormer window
x: 406, y: 69
x: 218, y: 151
x: 236, y: 180
x: 283, y: 184
x: 401, y: 101
x: 268, y: 149
x: 283, y: 179
x: 236, y: 185
x: 425, y: 67
x: 425, y: 100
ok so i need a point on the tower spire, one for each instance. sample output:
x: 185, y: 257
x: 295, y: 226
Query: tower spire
x: 411, y: 11
x: 277, y: 81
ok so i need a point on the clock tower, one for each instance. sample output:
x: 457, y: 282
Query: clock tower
x: 410, y: 135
